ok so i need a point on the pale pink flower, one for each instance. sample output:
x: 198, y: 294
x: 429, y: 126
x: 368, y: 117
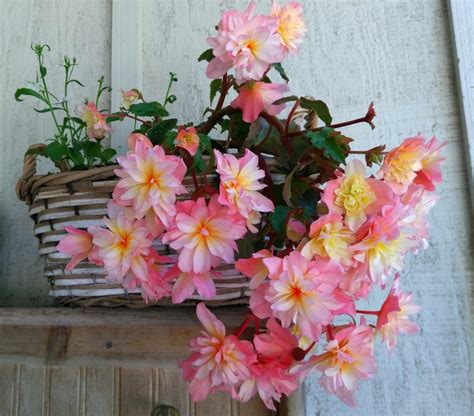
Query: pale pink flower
x: 95, y: 121
x: 270, y: 375
x: 134, y: 138
x: 258, y: 303
x: 254, y: 267
x: 217, y: 361
x: 291, y: 27
x: 150, y: 179
x: 129, y: 97
x: 123, y: 246
x: 330, y: 238
x: 393, y: 316
x: 295, y: 230
x: 240, y: 185
x: 383, y: 241
x: 77, y: 244
x: 204, y: 235
x: 356, y: 196
x: 255, y: 97
x: 188, y: 139
x: 414, y: 161
x: 303, y: 294
x: 349, y: 358
x: 187, y: 283
x: 247, y: 43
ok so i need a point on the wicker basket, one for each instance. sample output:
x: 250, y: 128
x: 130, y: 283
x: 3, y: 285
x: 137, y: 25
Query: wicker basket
x: 80, y: 198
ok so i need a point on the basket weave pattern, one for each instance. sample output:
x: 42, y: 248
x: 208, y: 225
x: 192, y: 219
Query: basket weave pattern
x: 79, y: 198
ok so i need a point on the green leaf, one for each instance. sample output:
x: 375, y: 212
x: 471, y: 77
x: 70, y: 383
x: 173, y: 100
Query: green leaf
x: 319, y: 107
x: 285, y: 99
x: 198, y: 162
x: 168, y: 142
x: 308, y: 201
x: 56, y: 151
x: 47, y: 110
x: 43, y: 71
x: 151, y: 109
x: 27, y: 91
x: 215, y: 86
x: 207, y: 55
x: 278, y: 219
x: 107, y: 155
x: 114, y: 117
x: 75, y: 81
x: 205, y: 142
x: 281, y: 71
x: 157, y: 132
x: 330, y: 142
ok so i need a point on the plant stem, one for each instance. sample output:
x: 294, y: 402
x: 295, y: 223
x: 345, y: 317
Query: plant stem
x: 376, y: 313
x: 223, y: 93
x: 215, y: 118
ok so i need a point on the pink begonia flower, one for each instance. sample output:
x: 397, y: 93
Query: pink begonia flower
x: 355, y: 196
x: 253, y: 219
x: 123, y: 246
x: 303, y: 294
x: 95, y: 121
x: 77, y: 244
x: 393, y: 316
x: 204, y: 234
x: 349, y: 358
x: 383, y: 241
x: 255, y: 97
x: 258, y: 304
x: 356, y: 282
x: 254, y: 267
x: 414, y: 161
x: 330, y: 238
x: 295, y: 230
x: 133, y: 138
x: 247, y: 43
x: 129, y: 97
x: 217, y: 361
x: 240, y: 185
x: 149, y: 179
x: 270, y: 376
x: 186, y: 284
x: 157, y: 284
x: 422, y: 201
x: 188, y: 139
x: 291, y: 26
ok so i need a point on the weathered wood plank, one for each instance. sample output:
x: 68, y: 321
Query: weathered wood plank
x: 216, y: 404
x: 64, y: 391
x: 173, y: 390
x: 32, y: 389
x: 8, y: 374
x: 99, y: 393
x: 136, y: 391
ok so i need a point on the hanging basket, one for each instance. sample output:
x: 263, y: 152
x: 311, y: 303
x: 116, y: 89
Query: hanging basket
x: 79, y: 198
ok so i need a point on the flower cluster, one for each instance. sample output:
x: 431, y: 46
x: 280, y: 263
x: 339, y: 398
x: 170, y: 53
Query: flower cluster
x: 320, y: 231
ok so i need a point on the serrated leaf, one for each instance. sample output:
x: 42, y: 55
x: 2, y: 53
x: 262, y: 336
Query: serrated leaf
x: 107, y: 155
x: 27, y: 91
x: 150, y: 109
x: 278, y: 219
x: 328, y: 142
x: 158, y: 131
x: 319, y: 107
x: 281, y: 71
x: 56, y: 151
x: 207, y: 55
x: 215, y: 86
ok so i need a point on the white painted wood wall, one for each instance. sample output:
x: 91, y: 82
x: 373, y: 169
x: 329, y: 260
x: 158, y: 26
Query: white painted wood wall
x: 397, y: 53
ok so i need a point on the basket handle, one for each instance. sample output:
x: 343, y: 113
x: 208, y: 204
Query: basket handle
x: 23, y: 184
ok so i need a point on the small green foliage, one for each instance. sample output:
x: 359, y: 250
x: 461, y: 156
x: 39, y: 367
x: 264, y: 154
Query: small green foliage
x: 150, y: 109
x: 159, y: 130
x: 319, y: 107
x: 278, y: 219
x: 279, y: 68
x: 207, y: 56
x: 333, y: 143
x: 215, y: 86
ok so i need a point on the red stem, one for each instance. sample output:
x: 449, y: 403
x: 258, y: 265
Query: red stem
x: 290, y: 115
x: 241, y: 329
x: 376, y: 313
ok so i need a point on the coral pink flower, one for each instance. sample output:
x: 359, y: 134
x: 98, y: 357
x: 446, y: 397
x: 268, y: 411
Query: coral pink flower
x: 150, y: 179
x: 240, y: 185
x: 248, y: 43
x: 95, y: 121
x: 188, y: 139
x: 291, y: 25
x: 270, y: 376
x: 393, y: 316
x: 259, y: 305
x: 123, y: 246
x: 217, y: 361
x: 77, y: 244
x: 254, y: 267
x: 255, y: 97
x: 414, y: 161
x: 348, y: 359
x: 134, y: 138
x: 186, y: 284
x: 303, y: 294
x: 129, y: 97
x: 295, y: 230
x: 355, y: 196
x: 330, y: 238
x: 204, y: 235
